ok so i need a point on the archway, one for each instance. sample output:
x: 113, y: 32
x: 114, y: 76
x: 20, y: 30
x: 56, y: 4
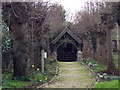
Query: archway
x: 67, y: 52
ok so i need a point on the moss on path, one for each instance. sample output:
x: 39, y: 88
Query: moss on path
x: 72, y: 75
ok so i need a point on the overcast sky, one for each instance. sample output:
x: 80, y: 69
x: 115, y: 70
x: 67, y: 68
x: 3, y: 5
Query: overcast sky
x: 71, y: 6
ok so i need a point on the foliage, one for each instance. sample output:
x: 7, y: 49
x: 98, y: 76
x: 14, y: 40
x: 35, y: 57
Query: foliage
x: 94, y: 65
x: 6, y: 48
x: 116, y: 57
x: 108, y: 84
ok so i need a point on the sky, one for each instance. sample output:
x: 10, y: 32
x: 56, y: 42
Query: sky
x: 71, y: 6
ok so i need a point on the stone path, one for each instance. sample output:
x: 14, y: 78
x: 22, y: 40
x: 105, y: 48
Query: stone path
x: 72, y: 75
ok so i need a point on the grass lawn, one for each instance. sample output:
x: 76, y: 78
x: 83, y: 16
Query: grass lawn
x: 9, y: 83
x: 0, y: 87
x: 108, y: 84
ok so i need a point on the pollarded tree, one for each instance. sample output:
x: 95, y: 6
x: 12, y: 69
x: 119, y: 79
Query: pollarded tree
x: 15, y: 15
x: 109, y: 19
x: 18, y: 17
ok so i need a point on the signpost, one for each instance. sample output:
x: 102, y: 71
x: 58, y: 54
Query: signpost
x: 42, y: 61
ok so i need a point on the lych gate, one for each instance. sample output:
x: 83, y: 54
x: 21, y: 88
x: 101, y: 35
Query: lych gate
x: 66, y: 46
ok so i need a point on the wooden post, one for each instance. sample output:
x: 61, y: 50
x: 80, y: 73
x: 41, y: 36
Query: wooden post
x: 54, y: 54
x: 42, y: 61
x: 79, y: 55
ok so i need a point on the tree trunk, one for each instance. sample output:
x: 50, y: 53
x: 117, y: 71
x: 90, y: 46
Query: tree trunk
x: 85, y: 50
x: 20, y: 46
x: 111, y: 65
x: 101, y: 49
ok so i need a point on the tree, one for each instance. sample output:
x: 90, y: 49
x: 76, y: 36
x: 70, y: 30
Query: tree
x: 18, y: 17
x: 91, y: 21
x: 109, y: 20
x: 55, y: 19
x: 53, y: 24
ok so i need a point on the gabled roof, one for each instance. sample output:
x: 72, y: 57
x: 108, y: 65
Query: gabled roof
x: 66, y: 30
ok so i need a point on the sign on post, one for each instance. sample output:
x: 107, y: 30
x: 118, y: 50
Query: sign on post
x: 45, y: 55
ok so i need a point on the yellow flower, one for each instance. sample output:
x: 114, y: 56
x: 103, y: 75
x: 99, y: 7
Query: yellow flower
x: 38, y: 69
x: 45, y: 78
x: 89, y: 57
x: 32, y: 65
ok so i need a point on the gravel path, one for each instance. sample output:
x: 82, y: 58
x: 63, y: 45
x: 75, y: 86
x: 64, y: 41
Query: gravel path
x: 72, y: 75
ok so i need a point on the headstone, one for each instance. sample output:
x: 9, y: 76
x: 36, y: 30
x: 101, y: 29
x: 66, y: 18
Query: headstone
x: 42, y: 61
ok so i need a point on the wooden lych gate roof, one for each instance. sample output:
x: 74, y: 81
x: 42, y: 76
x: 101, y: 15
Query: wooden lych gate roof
x: 66, y: 30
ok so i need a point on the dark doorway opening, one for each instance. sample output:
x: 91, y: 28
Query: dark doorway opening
x: 67, y: 52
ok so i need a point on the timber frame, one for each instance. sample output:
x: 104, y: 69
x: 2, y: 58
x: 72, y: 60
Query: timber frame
x: 66, y: 36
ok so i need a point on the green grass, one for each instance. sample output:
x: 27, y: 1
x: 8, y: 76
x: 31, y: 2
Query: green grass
x: 40, y: 77
x: 108, y: 84
x: 0, y: 87
x: 9, y: 83
x: 34, y: 77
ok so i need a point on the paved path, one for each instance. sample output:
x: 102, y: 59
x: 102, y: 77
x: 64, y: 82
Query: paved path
x: 72, y: 75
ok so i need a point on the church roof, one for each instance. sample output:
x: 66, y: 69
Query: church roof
x: 66, y: 30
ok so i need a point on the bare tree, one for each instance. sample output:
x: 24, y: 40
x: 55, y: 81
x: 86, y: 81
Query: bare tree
x: 91, y: 21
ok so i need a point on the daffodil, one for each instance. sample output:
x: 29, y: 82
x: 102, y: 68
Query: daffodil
x: 32, y: 65
x: 45, y: 78
x: 38, y: 69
